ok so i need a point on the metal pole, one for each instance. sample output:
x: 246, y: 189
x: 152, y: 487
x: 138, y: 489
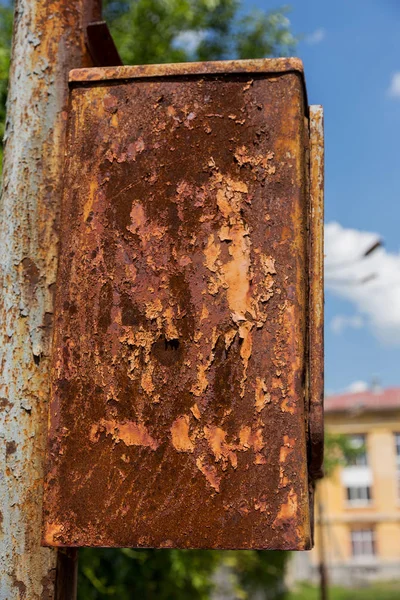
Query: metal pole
x: 48, y: 41
x: 323, y: 576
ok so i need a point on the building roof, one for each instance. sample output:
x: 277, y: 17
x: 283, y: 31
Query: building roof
x: 368, y: 400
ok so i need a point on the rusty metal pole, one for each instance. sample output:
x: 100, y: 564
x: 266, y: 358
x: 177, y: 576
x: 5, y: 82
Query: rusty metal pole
x: 48, y: 41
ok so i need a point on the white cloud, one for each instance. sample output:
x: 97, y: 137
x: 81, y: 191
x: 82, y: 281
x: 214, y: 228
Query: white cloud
x: 316, y: 37
x: 394, y: 88
x: 340, y: 322
x: 190, y: 39
x: 354, y: 388
x: 357, y: 386
x: 371, y: 284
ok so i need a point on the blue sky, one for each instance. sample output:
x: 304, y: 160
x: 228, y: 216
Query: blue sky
x: 351, y: 52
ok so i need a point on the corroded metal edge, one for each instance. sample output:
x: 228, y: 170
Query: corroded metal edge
x: 264, y: 65
x: 316, y: 316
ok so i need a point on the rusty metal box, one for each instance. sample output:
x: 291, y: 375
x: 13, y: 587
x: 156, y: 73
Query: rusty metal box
x: 187, y: 362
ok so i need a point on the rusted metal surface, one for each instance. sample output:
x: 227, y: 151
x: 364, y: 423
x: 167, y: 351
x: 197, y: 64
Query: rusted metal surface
x: 179, y: 413
x: 316, y: 328
x: 101, y: 46
x: 268, y: 65
x: 48, y: 42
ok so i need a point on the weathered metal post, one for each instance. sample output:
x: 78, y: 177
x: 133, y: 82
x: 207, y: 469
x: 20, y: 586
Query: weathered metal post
x: 48, y: 42
x: 323, y: 574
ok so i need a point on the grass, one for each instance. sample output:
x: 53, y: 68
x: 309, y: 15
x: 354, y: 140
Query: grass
x: 381, y: 591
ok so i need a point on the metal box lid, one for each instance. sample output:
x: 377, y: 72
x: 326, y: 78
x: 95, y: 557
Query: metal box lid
x: 180, y: 409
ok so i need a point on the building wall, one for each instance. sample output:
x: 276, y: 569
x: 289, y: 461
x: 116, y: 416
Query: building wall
x: 381, y: 514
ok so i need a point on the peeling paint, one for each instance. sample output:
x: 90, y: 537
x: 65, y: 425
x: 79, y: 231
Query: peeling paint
x: 262, y: 394
x: 288, y: 509
x: 180, y: 434
x: 128, y: 432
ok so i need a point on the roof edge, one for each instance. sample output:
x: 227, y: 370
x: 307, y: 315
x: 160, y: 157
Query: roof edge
x: 357, y: 409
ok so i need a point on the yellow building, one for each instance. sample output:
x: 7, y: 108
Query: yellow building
x: 361, y: 501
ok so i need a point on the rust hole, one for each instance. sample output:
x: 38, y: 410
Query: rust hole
x: 172, y: 344
x: 167, y: 352
x: 37, y: 358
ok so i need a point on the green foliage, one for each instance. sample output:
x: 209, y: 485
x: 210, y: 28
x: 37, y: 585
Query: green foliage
x: 182, y: 574
x: 146, y: 574
x: 257, y: 572
x: 6, y: 22
x: 339, y: 451
x: 383, y: 591
x: 162, y: 31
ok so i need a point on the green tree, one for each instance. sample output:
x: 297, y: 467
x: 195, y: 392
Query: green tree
x: 6, y: 22
x: 162, y: 31
x: 339, y: 451
x: 165, y: 31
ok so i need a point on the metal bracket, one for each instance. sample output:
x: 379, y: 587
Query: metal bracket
x: 101, y: 45
x: 316, y: 339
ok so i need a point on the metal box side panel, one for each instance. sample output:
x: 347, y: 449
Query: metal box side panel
x: 178, y: 406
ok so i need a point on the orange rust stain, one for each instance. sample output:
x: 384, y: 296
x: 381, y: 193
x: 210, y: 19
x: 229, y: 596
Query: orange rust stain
x: 261, y: 505
x: 93, y: 189
x: 288, y: 509
x: 257, y: 440
x: 251, y: 439
x: 51, y: 532
x: 114, y: 121
x: 236, y: 272
x: 129, y: 432
x: 244, y: 437
x: 245, y: 350
x: 202, y: 382
x: 260, y: 460
x: 138, y: 217
x: 140, y: 225
x: 209, y: 472
x: 215, y: 436
x: 195, y: 411
x: 171, y: 332
x: 261, y: 160
x: 211, y: 253
x: 268, y: 264
x: 262, y: 395
x: 153, y: 309
x: 204, y: 313
x: 180, y: 434
x: 147, y: 380
x: 286, y: 449
x: 229, y: 337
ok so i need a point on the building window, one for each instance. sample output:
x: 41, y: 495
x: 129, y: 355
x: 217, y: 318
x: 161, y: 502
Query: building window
x: 358, y: 494
x: 397, y: 443
x: 363, y: 542
x: 357, y: 452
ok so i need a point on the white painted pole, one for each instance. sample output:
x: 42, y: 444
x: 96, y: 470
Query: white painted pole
x: 48, y: 42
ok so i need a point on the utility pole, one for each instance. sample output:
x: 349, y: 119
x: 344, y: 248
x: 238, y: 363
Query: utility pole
x: 323, y: 576
x: 48, y: 41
